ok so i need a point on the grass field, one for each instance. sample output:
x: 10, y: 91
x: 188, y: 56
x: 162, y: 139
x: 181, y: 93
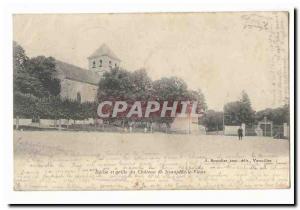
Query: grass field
x: 52, y: 160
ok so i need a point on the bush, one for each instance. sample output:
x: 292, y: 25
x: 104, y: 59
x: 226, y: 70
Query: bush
x: 53, y: 107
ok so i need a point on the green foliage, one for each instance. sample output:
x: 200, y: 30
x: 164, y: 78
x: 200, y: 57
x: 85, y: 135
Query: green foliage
x: 44, y: 70
x: 53, y: 107
x: 119, y: 84
x: 19, y: 58
x: 141, y: 85
x: 170, y: 89
x: 212, y: 120
x: 89, y: 110
x: 25, y: 105
x: 36, y: 90
x: 238, y: 112
x: 278, y: 115
x: 35, y: 76
x: 114, y: 84
x: 23, y: 81
x: 27, y: 84
x: 198, y: 96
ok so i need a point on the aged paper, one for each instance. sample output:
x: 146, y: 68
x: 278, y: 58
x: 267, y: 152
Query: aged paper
x: 151, y: 101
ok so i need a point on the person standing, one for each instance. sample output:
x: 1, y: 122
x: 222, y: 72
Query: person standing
x: 240, y: 133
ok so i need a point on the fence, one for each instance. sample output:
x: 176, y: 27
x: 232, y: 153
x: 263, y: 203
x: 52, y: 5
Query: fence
x: 278, y: 132
x: 267, y: 129
x: 275, y: 131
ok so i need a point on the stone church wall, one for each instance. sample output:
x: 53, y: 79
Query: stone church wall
x: 70, y: 88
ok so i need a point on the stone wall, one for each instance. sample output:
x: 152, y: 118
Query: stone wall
x: 70, y: 88
x: 231, y: 130
x: 185, y: 125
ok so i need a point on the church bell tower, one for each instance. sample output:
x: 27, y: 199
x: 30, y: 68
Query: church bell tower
x: 103, y: 59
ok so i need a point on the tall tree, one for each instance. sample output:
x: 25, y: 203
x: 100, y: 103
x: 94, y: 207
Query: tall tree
x: 170, y: 88
x: 200, y: 98
x: 238, y: 112
x: 247, y: 114
x: 22, y: 79
x: 114, y: 85
x: 119, y: 84
x: 35, y: 76
x: 19, y: 58
x: 44, y: 69
x: 141, y: 85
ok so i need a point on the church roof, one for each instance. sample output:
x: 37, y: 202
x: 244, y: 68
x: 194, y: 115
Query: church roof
x: 76, y: 73
x: 104, y: 50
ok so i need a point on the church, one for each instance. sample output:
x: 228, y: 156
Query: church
x: 82, y: 84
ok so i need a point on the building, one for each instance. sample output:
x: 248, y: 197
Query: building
x: 102, y: 60
x: 77, y: 83
x: 187, y: 125
x: 82, y: 84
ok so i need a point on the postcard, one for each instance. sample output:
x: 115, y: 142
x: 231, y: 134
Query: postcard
x: 151, y: 101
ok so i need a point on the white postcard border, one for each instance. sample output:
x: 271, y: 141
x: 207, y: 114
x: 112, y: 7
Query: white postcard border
x: 114, y: 197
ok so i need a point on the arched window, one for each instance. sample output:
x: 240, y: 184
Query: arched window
x: 94, y: 64
x: 78, y: 97
x: 100, y: 63
x: 110, y: 64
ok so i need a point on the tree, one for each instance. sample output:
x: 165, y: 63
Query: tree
x: 141, y: 85
x: 19, y: 58
x: 246, y: 114
x: 34, y: 85
x: 27, y: 84
x: 114, y: 85
x: 89, y: 110
x: 25, y: 106
x: 23, y: 81
x: 212, y: 120
x: 44, y: 69
x: 35, y: 76
x: 278, y: 115
x: 200, y: 98
x: 238, y: 112
x: 170, y: 89
x: 119, y: 84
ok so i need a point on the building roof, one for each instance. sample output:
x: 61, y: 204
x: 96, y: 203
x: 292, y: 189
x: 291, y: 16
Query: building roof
x: 76, y: 73
x: 104, y: 50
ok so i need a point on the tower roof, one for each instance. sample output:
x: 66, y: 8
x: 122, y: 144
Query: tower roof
x: 104, y: 50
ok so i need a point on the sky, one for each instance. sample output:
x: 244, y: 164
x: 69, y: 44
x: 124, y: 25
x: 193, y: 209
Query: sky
x: 219, y: 53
